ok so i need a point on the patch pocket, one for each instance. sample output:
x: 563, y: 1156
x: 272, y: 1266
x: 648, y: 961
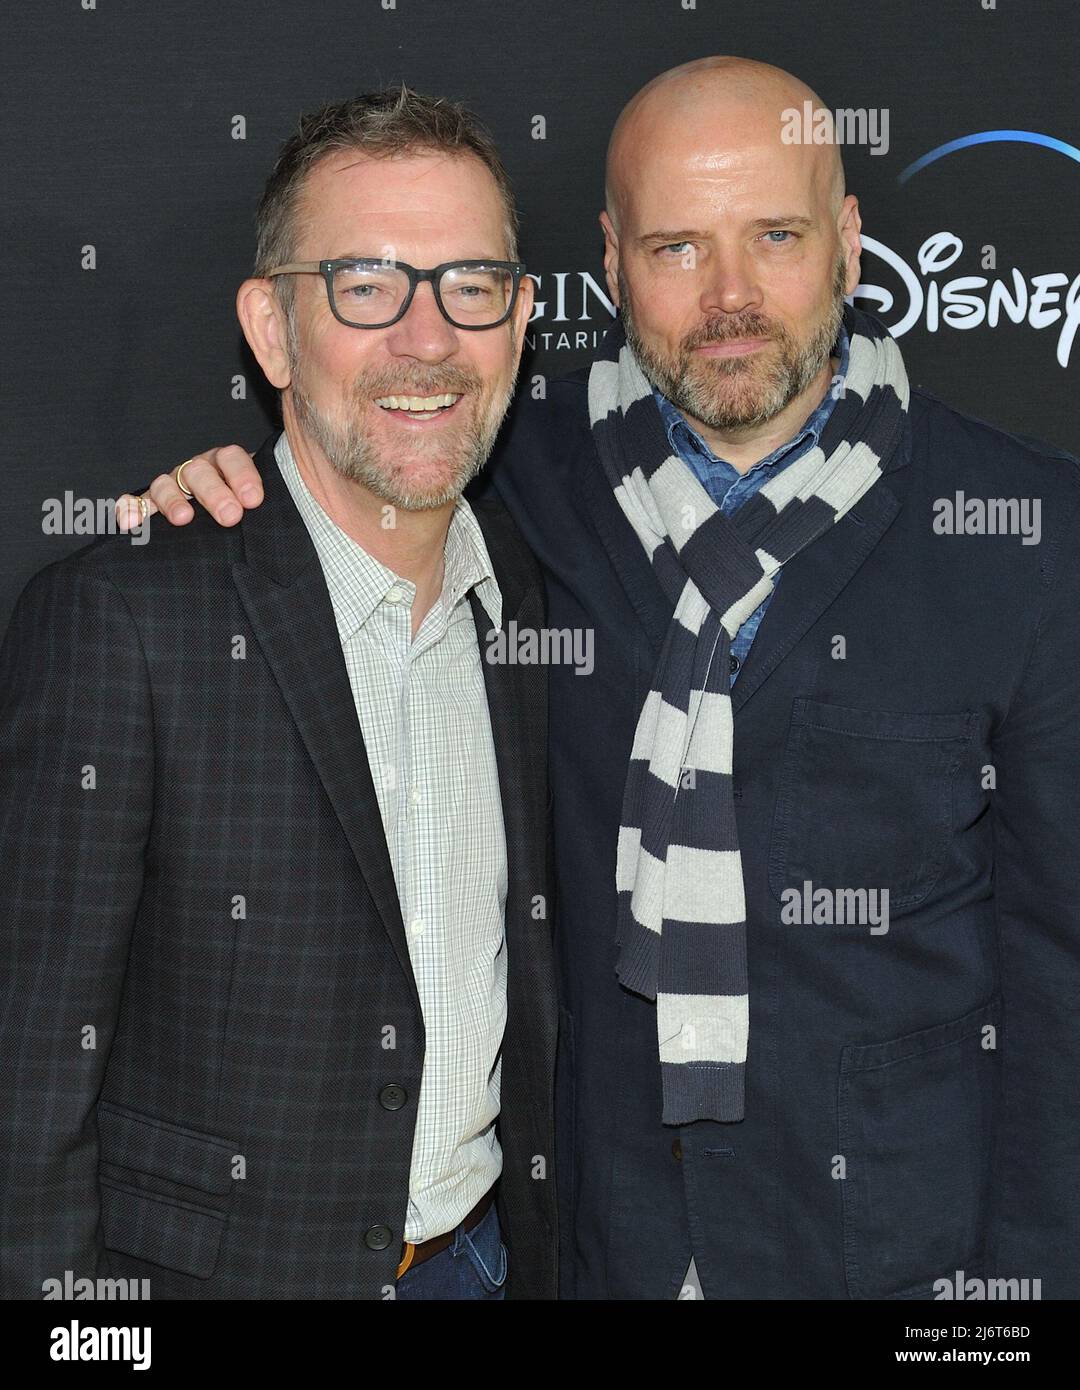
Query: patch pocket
x: 915, y: 1124
x: 166, y: 1190
x: 866, y: 800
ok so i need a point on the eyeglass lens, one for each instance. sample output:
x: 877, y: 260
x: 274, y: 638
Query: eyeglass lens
x: 373, y: 292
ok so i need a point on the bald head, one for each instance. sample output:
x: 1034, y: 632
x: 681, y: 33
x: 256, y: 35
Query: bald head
x: 730, y: 244
x: 708, y: 111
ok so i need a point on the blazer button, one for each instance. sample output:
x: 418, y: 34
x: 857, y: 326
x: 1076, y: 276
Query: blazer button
x: 733, y: 662
x: 676, y: 1148
x: 378, y: 1237
x: 392, y: 1097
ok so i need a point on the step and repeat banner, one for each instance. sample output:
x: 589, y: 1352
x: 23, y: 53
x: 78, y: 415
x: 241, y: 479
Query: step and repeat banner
x: 137, y: 135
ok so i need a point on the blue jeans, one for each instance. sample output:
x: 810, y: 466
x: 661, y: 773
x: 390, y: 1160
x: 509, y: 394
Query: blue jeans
x: 473, y: 1265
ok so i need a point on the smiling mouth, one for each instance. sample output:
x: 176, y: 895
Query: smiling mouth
x: 419, y: 407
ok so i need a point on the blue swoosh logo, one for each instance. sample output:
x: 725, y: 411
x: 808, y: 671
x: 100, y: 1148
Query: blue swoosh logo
x: 989, y: 137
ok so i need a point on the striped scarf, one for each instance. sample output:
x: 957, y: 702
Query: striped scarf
x: 682, y: 911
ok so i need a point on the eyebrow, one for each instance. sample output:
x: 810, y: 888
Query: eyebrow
x: 394, y: 262
x: 363, y: 256
x: 370, y: 256
x: 793, y: 219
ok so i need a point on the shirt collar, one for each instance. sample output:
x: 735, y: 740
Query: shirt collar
x: 682, y: 434
x: 358, y: 583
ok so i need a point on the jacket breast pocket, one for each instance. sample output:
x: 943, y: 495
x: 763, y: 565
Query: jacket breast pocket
x: 866, y: 800
x: 915, y: 1132
x: 165, y: 1190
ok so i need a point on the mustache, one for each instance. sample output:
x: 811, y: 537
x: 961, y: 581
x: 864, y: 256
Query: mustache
x: 729, y: 330
x: 434, y: 382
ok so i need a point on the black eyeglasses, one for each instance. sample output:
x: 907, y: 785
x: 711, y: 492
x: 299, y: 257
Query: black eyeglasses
x: 374, y: 293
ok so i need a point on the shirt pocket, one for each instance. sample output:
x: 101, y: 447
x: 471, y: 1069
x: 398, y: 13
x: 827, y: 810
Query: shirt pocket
x: 866, y: 800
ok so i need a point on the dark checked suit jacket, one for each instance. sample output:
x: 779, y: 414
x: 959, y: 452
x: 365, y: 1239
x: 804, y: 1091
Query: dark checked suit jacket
x: 158, y: 1034
x: 911, y: 1102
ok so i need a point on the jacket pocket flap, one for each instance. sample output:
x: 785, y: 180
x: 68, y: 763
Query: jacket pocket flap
x: 158, y: 1149
x: 164, y: 1232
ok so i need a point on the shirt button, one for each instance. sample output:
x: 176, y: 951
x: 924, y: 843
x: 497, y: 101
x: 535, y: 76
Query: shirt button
x: 417, y: 926
x: 378, y: 1237
x: 395, y: 595
x: 415, y: 796
x: 676, y: 1148
x: 393, y: 1097
x: 735, y: 663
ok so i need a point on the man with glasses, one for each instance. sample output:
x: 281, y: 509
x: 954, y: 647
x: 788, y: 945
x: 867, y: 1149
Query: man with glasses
x: 280, y: 1014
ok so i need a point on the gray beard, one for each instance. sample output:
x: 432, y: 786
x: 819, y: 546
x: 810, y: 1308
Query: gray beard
x: 357, y: 459
x: 692, y: 386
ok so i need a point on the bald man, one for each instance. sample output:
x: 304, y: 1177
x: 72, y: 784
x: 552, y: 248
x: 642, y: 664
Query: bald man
x: 816, y: 805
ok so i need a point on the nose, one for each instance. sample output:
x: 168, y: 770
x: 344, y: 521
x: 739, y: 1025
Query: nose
x: 423, y: 333
x: 730, y: 284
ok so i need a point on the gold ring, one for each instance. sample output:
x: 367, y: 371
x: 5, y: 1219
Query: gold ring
x: 144, y: 510
x: 180, y: 477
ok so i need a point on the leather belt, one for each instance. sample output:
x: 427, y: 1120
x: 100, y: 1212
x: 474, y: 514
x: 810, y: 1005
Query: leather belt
x: 417, y: 1254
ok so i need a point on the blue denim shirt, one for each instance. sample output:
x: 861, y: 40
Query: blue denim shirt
x: 729, y: 489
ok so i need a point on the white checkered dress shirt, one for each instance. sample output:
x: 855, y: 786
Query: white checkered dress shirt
x: 423, y: 712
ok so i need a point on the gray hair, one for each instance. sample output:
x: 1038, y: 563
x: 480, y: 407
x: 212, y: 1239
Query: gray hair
x: 382, y: 124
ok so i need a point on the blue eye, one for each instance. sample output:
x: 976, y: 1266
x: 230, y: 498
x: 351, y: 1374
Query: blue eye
x: 674, y: 247
x: 779, y: 232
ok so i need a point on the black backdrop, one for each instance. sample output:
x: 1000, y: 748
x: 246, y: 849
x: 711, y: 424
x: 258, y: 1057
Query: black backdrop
x: 137, y: 135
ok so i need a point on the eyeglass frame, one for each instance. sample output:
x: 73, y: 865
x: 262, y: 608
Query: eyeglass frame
x: 327, y: 268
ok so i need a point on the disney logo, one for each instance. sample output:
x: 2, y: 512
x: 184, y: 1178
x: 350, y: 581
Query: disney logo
x: 968, y: 301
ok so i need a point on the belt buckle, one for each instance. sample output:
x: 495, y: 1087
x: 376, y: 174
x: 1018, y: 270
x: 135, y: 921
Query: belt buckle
x: 410, y: 1251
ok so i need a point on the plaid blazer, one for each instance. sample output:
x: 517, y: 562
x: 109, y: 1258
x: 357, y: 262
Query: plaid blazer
x: 207, y: 1008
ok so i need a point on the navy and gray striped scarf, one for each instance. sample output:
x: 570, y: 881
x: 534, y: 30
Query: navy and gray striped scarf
x: 682, y: 911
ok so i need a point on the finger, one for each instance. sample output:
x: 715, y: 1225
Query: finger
x: 171, y: 502
x: 203, y: 479
x: 128, y: 513
x: 238, y: 470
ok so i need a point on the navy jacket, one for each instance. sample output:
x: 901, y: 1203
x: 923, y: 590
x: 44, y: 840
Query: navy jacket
x: 911, y: 1095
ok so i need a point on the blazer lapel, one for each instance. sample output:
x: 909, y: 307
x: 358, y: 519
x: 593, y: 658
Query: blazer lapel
x: 811, y: 580
x: 282, y: 587
x: 626, y: 553
x: 517, y: 708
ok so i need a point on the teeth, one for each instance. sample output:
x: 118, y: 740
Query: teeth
x: 416, y: 402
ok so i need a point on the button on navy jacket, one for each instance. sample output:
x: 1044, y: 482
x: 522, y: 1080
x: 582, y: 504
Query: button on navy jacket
x: 911, y: 1094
